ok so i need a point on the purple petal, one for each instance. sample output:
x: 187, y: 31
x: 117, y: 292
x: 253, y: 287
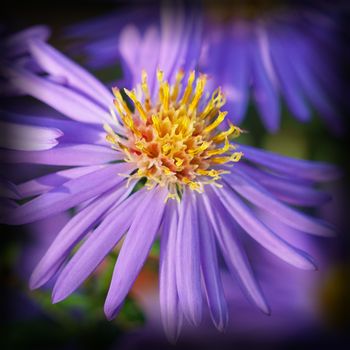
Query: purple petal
x: 149, y: 51
x: 57, y: 64
x: 72, y: 233
x: 46, y: 183
x: 8, y: 189
x: 96, y: 247
x: 317, y: 171
x: 100, y: 53
x: 314, y: 91
x: 28, y: 138
x: 188, y: 274
x: 292, y: 236
x: 169, y: 301
x: 258, y: 196
x: 135, y: 248
x: 258, y: 231
x: 265, y: 93
x: 73, y: 132
x: 210, y: 271
x: 172, y: 31
x: 284, y: 189
x: 69, y: 194
x: 66, y: 155
x: 17, y: 44
x: 188, y: 55
x: 289, y: 84
x: 236, y: 79
x: 233, y: 251
x: 130, y: 38
x: 65, y: 100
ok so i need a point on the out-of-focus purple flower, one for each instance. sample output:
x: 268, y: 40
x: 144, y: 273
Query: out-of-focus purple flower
x: 97, y: 39
x: 111, y: 39
x: 192, y: 197
x: 255, y: 52
x: 286, y: 52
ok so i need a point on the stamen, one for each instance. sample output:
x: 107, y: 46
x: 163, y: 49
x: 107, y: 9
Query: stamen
x: 216, y: 123
x: 137, y: 103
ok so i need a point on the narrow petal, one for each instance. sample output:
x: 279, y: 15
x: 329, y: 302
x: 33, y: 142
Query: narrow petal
x: 210, y: 271
x: 46, y: 183
x: 285, y: 189
x: 289, y: 84
x: 8, y: 189
x: 71, y: 234
x: 28, y: 138
x: 67, y: 101
x: 233, y: 251
x: 65, y: 155
x: 317, y: 171
x: 57, y: 64
x: 69, y: 194
x: 149, y: 51
x: 73, y: 132
x: 172, y: 31
x: 17, y: 44
x: 314, y: 89
x: 168, y: 297
x: 292, y: 236
x: 129, y: 38
x: 188, y: 274
x: 135, y: 248
x: 265, y: 93
x: 96, y: 247
x: 191, y: 41
x: 257, y: 195
x: 258, y: 231
x: 236, y: 88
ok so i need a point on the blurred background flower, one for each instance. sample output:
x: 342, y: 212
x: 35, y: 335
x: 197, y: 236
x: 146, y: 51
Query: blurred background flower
x: 276, y: 54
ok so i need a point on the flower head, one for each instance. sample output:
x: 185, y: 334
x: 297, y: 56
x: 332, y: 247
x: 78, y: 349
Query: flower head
x: 173, y: 142
x: 171, y: 139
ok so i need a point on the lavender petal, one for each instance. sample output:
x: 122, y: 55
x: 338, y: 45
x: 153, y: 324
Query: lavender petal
x: 71, y: 234
x: 233, y: 251
x: 66, y: 155
x: 188, y: 277
x: 210, y: 271
x: 168, y: 297
x: 298, y: 168
x: 258, y: 196
x: 135, y: 248
x: 258, y: 231
x: 95, y: 248
x: 28, y: 138
x: 69, y: 194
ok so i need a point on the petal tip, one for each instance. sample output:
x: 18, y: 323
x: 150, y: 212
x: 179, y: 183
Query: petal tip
x: 110, y: 311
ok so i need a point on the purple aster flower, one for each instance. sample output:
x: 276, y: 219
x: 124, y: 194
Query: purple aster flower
x: 279, y: 52
x: 110, y: 39
x: 199, y: 186
x: 276, y: 51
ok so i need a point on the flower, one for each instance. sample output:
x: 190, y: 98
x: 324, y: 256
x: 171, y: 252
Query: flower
x: 276, y: 51
x: 167, y: 138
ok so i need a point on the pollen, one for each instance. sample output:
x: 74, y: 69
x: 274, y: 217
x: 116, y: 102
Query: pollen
x: 174, y: 135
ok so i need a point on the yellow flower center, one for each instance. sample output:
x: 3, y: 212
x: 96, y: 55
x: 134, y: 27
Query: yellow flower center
x: 175, y: 141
